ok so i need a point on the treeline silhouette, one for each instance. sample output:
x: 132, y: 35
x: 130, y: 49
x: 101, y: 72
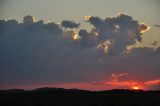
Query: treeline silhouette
x: 76, y: 97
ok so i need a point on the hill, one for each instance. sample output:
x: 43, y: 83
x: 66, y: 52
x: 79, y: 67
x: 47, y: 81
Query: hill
x: 75, y: 97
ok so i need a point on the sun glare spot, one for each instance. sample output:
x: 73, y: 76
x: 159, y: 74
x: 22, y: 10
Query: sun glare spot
x: 135, y: 87
x: 75, y: 37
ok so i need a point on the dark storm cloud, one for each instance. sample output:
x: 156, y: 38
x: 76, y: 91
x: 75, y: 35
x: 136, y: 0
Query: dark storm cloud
x: 120, y: 31
x: 85, y: 39
x: 34, y: 52
x: 69, y: 24
x: 95, y: 21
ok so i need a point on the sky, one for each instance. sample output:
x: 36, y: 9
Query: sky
x: 50, y: 43
x: 57, y: 10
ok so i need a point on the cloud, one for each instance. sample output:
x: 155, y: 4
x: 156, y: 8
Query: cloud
x: 121, y: 31
x: 146, y: 85
x: 28, y: 19
x: 53, y: 28
x: 69, y: 24
x: 152, y: 82
x: 143, y: 28
x: 144, y: 51
x: 155, y: 43
x: 116, y: 77
x: 34, y: 52
x: 129, y: 84
x: 157, y: 25
x: 86, y: 41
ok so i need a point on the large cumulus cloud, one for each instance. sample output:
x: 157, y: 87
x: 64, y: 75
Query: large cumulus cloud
x: 34, y: 52
x: 121, y: 31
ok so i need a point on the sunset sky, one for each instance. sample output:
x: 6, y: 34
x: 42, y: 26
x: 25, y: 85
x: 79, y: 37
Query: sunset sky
x: 84, y: 44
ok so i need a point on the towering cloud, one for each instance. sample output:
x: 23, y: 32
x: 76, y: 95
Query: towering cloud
x: 120, y: 31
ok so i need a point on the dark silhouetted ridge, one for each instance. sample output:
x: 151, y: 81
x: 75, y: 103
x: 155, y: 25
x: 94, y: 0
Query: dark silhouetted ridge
x: 76, y: 97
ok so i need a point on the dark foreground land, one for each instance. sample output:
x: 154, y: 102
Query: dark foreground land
x: 74, y: 97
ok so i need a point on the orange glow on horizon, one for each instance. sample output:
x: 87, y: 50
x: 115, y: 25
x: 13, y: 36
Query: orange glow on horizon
x: 102, y: 85
x: 136, y: 88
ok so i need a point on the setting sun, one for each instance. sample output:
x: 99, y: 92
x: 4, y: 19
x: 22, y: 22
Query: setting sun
x: 136, y: 88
